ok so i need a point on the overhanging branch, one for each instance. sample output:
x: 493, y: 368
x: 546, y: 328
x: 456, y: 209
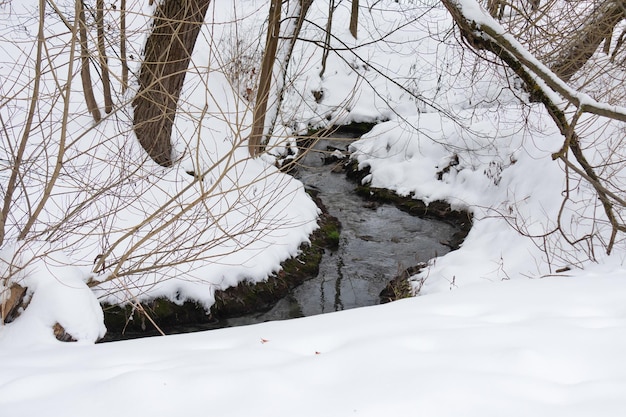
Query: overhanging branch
x: 483, y: 33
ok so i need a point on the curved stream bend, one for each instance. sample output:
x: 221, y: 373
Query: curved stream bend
x: 378, y: 241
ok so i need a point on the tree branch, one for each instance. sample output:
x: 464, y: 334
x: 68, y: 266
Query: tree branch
x: 482, y: 32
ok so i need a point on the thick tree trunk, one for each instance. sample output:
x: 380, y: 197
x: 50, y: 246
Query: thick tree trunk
x: 168, y: 50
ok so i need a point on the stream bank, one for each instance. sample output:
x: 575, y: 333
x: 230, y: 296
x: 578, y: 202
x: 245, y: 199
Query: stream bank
x: 369, y: 242
x: 379, y: 241
x: 129, y: 322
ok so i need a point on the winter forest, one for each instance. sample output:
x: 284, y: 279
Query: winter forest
x: 449, y: 173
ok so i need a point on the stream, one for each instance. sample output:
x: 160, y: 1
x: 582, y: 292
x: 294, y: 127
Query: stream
x: 378, y: 241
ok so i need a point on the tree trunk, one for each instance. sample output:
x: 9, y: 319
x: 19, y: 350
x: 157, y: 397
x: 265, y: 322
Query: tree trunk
x: 85, y: 73
x: 168, y: 51
x: 123, y: 46
x: 265, y: 80
x: 286, y: 43
x: 104, y: 65
x: 354, y: 18
x: 329, y: 26
x: 598, y: 27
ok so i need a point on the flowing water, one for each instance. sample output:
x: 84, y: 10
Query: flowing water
x: 377, y: 242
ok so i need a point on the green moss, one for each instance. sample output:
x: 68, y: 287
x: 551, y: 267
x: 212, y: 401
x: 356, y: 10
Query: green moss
x: 332, y: 238
x: 162, y: 308
x: 130, y: 320
x: 248, y: 298
x: 329, y: 233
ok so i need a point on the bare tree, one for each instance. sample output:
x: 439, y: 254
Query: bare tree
x: 329, y: 26
x: 102, y: 55
x: 85, y: 71
x: 87, y: 190
x: 123, y: 54
x: 265, y: 78
x: 482, y: 33
x: 167, y: 55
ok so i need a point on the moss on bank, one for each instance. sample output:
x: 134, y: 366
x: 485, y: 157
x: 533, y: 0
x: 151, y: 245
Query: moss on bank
x: 249, y: 297
x: 399, y: 287
x: 128, y: 321
x: 439, y: 210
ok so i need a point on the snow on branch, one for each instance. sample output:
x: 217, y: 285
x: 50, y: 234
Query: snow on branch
x: 474, y: 20
x: 482, y: 32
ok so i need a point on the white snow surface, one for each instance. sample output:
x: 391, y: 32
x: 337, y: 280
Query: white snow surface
x: 496, y: 330
x: 543, y: 348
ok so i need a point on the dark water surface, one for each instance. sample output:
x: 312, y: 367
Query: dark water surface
x: 377, y: 242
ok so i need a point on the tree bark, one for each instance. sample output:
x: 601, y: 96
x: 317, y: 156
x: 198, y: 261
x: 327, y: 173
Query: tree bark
x: 286, y: 43
x: 168, y: 51
x: 123, y: 57
x: 329, y: 26
x: 583, y: 45
x: 265, y: 80
x: 104, y: 66
x: 85, y: 73
x: 354, y: 18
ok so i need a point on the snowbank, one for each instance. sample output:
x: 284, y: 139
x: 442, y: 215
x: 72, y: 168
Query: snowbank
x: 518, y: 348
x: 484, y: 163
x: 219, y: 217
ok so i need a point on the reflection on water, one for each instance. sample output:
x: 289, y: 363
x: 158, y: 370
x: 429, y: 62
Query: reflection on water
x: 377, y: 242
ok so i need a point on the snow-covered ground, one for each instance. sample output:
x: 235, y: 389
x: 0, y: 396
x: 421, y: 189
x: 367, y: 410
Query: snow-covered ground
x: 541, y: 348
x: 507, y: 325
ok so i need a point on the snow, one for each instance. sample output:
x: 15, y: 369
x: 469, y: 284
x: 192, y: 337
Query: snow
x: 496, y: 329
x: 139, y: 229
x: 517, y: 348
x: 476, y: 14
x: 485, y: 181
x: 58, y: 295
